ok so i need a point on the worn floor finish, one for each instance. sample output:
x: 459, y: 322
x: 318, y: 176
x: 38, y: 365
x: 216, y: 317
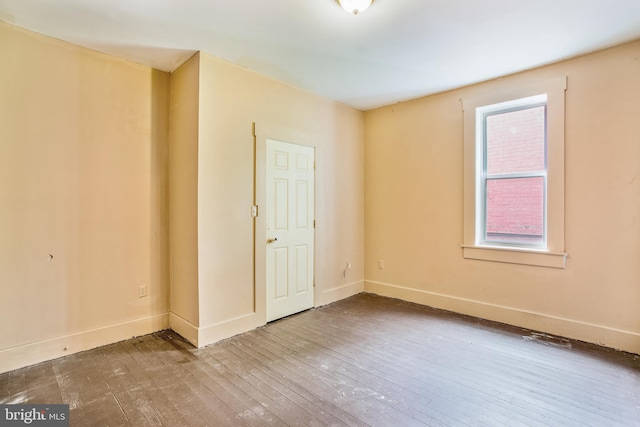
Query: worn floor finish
x: 366, y: 360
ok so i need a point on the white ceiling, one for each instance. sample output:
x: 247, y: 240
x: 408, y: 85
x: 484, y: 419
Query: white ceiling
x: 396, y: 50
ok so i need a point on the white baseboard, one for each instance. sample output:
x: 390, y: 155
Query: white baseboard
x: 206, y: 335
x: 184, y: 328
x: 203, y: 336
x: 340, y: 292
x: 219, y: 331
x: 40, y: 351
x: 588, y: 332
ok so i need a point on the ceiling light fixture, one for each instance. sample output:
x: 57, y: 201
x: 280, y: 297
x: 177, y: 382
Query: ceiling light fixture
x: 355, y: 6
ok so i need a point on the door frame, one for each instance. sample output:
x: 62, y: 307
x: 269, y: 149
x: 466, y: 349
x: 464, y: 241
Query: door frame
x: 262, y: 134
x: 294, y: 301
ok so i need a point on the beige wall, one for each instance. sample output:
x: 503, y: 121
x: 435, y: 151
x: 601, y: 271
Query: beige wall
x: 231, y: 99
x: 83, y: 177
x: 184, y: 194
x: 413, y: 205
x: 85, y: 153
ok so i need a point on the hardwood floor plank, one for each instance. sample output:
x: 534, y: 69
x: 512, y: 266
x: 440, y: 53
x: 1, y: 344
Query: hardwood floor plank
x: 434, y: 373
x: 285, y: 409
x: 45, y: 387
x: 296, y: 384
x: 363, y: 361
x: 542, y: 398
x: 17, y: 389
x: 131, y: 396
x: 430, y: 396
x: 310, y: 380
x: 206, y: 403
x: 343, y: 388
x: 243, y: 406
x: 259, y: 375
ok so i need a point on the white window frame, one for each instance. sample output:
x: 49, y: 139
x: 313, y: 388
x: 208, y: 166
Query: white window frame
x: 552, y: 252
x: 481, y: 161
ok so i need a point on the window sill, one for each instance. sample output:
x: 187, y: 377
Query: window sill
x: 510, y: 255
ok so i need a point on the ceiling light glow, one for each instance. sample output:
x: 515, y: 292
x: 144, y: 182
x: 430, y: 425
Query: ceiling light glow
x: 355, y: 6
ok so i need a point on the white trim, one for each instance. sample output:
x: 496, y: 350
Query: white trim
x: 555, y: 215
x: 483, y: 176
x: 525, y: 102
x: 206, y: 335
x: 569, y: 328
x: 341, y: 292
x: 218, y: 331
x: 53, y: 348
x: 515, y: 255
x: 184, y: 328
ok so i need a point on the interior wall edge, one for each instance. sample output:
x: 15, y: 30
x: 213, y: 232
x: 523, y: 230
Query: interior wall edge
x: 568, y: 328
x: 207, y: 335
x: 184, y: 328
x: 228, y: 328
x: 49, y: 349
x: 337, y: 293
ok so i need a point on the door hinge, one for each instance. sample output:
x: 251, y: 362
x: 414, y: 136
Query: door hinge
x: 254, y: 211
x: 314, y: 223
x: 314, y: 165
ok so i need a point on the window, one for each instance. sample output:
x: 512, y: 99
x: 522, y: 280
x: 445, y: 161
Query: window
x: 514, y: 175
x: 511, y: 140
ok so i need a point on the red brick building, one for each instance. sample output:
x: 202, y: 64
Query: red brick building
x: 515, y: 162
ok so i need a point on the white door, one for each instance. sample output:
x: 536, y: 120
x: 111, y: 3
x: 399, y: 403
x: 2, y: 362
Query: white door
x: 290, y: 228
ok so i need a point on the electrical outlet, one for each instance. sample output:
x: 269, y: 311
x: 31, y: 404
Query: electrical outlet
x: 381, y: 264
x: 142, y: 291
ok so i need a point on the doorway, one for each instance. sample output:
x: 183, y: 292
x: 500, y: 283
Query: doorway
x: 290, y: 228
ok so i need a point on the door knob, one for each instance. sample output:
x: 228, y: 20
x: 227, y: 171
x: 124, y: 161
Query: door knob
x: 275, y: 239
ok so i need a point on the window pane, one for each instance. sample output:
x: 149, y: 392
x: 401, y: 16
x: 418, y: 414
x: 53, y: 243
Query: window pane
x: 516, y: 141
x: 515, y: 210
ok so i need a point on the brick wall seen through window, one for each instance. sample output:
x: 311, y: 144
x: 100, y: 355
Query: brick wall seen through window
x: 515, y: 163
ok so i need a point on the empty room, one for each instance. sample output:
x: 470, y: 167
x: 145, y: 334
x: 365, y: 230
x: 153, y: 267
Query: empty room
x: 320, y: 212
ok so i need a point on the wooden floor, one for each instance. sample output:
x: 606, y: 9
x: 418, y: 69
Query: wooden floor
x: 366, y: 360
